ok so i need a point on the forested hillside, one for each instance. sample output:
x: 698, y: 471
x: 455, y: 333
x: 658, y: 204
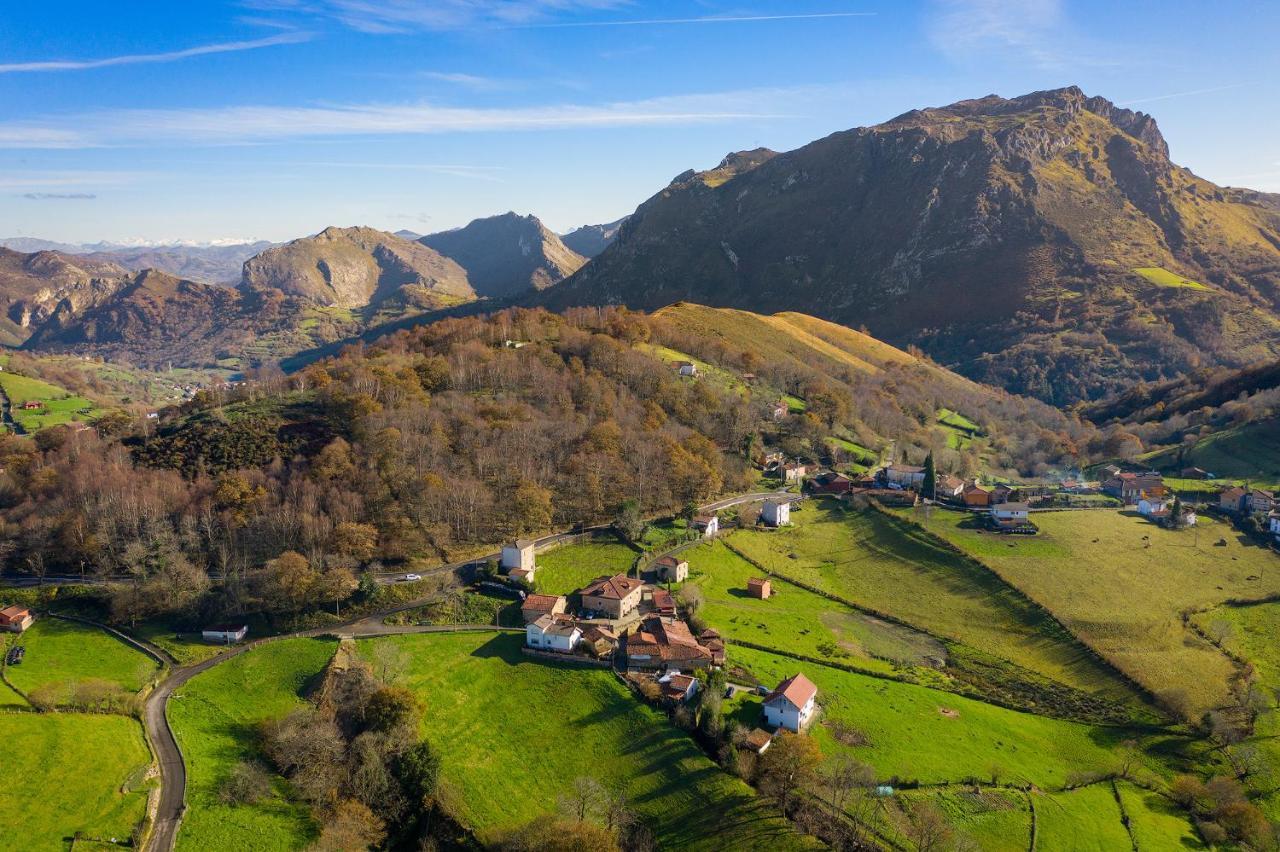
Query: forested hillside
x: 439, y: 440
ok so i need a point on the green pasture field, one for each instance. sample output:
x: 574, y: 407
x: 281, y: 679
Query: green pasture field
x: 567, y: 568
x: 1247, y: 452
x: 990, y: 819
x: 1120, y: 583
x: 59, y: 405
x: 1083, y: 820
x: 63, y: 653
x: 70, y: 772
x: 499, y: 773
x: 215, y: 718
x: 1156, y: 822
x: 1162, y: 277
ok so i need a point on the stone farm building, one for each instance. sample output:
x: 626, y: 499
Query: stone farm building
x: 791, y: 704
x: 518, y: 555
x: 614, y: 596
x: 776, y: 513
x: 759, y: 588
x: 660, y: 644
x: 671, y: 569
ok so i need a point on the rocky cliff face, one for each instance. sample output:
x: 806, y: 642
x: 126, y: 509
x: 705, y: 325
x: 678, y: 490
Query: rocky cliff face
x: 1000, y: 234
x: 508, y: 254
x: 356, y: 267
x: 33, y: 287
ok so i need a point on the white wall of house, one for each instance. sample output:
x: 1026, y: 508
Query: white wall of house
x: 1009, y: 514
x: 517, y: 557
x: 776, y: 513
x: 781, y: 713
x: 1146, y: 506
x: 535, y: 638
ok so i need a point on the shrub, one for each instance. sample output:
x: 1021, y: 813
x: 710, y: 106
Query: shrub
x: 247, y: 784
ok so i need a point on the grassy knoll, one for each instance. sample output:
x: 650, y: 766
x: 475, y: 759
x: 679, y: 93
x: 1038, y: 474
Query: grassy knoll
x: 706, y: 372
x: 66, y: 772
x: 913, y: 732
x: 566, y: 569
x: 798, y: 621
x: 1121, y: 583
x: 186, y: 648
x: 1156, y: 822
x: 214, y: 718
x: 1162, y: 277
x: 1081, y: 820
x: 63, y: 653
x: 499, y: 774
x: 890, y: 567
x: 60, y: 406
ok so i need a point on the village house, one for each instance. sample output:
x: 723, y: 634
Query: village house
x: 759, y: 588
x: 976, y: 497
x: 536, y: 606
x: 1148, y: 506
x: 793, y: 472
x: 518, y: 555
x: 1108, y: 471
x: 225, y: 634
x: 1195, y: 473
x: 614, y: 596
x: 792, y: 704
x: 663, y: 603
x: 1273, y: 524
x: 829, y: 482
x: 553, y: 633
x: 1258, y: 502
x: 1131, y: 487
x: 1001, y: 494
x: 660, y: 644
x: 949, y: 487
x: 671, y: 569
x: 780, y: 410
x: 686, y: 368
x: 1004, y: 512
x: 712, y: 641
x: 708, y: 525
x: 904, y: 475
x: 776, y: 513
x: 15, y: 619
x: 600, y: 641
x: 677, y: 687
x: 1231, y: 499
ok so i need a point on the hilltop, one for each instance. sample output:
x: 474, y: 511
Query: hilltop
x: 590, y: 240
x: 1044, y: 243
x: 508, y: 254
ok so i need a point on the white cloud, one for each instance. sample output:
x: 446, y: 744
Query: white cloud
x: 150, y: 58
x: 1034, y: 31
x: 259, y: 124
x: 1187, y: 93
x: 401, y: 16
x: 54, y: 180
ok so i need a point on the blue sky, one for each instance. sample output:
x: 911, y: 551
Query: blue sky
x: 275, y: 118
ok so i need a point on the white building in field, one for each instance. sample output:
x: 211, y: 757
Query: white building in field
x: 708, y: 525
x: 553, y: 633
x: 792, y: 704
x: 776, y: 513
x: 518, y: 555
x: 1010, y: 511
x: 225, y: 634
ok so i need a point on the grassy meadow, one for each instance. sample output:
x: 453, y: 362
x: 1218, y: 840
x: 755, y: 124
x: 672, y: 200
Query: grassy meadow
x: 214, y: 718
x: 922, y: 734
x: 79, y: 773
x: 990, y: 819
x: 798, y: 621
x: 1084, y: 820
x: 63, y: 653
x: 568, y: 568
x: 1247, y: 452
x: 887, y: 566
x: 60, y: 406
x: 1162, y: 277
x: 1121, y: 583
x: 500, y: 773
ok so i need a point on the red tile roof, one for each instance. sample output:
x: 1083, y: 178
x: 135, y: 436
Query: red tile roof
x: 797, y: 689
x: 612, y: 588
x: 540, y: 603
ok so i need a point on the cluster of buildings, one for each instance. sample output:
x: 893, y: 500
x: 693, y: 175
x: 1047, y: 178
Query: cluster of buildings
x: 1253, y: 503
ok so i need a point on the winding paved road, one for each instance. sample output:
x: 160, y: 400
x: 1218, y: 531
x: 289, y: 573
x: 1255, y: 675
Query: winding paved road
x: 173, y: 769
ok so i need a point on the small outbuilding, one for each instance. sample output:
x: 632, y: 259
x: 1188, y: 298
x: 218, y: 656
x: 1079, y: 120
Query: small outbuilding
x: 672, y: 569
x: 536, y: 606
x: 759, y: 588
x: 225, y: 634
x: 708, y: 525
x: 15, y: 619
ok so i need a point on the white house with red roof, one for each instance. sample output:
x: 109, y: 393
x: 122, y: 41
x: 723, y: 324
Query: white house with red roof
x: 792, y: 704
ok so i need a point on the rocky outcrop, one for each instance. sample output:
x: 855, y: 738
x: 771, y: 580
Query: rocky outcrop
x: 590, y: 240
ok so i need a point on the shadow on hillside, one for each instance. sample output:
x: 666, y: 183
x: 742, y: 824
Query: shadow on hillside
x: 504, y: 646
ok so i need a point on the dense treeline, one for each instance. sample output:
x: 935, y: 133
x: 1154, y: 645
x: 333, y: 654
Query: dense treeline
x: 436, y: 441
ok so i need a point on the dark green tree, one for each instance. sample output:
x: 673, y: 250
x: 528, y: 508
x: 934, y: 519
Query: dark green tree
x: 930, y: 476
